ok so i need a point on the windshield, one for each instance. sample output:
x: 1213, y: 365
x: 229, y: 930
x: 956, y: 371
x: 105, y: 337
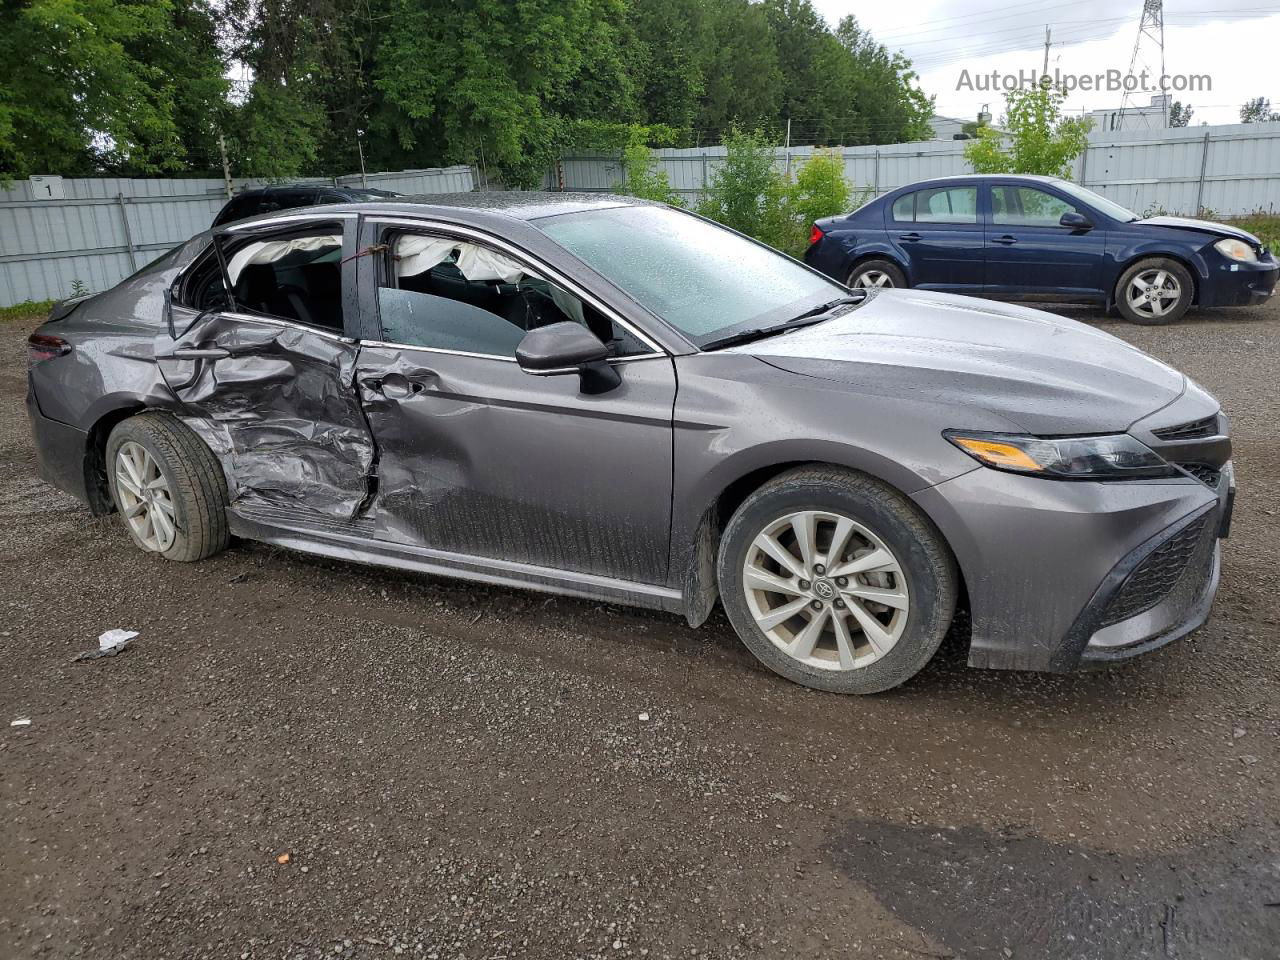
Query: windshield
x: 1098, y: 202
x: 699, y: 277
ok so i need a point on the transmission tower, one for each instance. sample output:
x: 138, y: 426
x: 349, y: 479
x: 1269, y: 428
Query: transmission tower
x: 1150, y: 29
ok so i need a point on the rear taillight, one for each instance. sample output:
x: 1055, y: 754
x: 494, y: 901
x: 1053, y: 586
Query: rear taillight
x: 44, y: 346
x: 815, y: 235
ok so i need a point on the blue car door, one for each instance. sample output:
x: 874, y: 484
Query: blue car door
x: 1029, y: 251
x: 939, y: 233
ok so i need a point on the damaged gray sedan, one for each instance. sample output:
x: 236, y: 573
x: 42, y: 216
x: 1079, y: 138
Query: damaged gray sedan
x: 611, y: 399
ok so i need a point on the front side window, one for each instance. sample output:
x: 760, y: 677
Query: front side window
x: 1026, y: 207
x: 699, y: 277
x: 450, y: 294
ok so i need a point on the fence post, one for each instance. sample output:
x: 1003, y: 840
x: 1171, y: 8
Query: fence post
x: 704, y: 173
x: 1084, y: 163
x: 1204, y: 164
x: 128, y: 234
x: 875, y: 176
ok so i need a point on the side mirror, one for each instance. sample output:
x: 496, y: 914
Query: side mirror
x: 567, y: 347
x: 1075, y: 221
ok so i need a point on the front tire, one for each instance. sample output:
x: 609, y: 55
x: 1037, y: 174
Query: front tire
x: 168, y: 487
x: 835, y: 581
x: 876, y: 274
x: 1154, y: 292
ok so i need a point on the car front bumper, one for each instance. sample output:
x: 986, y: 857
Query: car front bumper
x: 1063, y: 575
x: 1234, y: 284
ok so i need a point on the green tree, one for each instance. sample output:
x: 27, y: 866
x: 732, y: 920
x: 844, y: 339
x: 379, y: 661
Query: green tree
x: 1180, y: 114
x: 1042, y: 141
x: 119, y: 86
x: 742, y: 79
x: 1257, y: 110
x: 482, y: 79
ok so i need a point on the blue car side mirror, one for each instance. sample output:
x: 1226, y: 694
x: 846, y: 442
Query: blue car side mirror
x: 1074, y: 220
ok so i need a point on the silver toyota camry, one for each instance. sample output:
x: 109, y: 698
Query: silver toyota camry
x: 612, y: 399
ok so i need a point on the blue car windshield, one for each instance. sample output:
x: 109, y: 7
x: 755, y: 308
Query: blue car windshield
x: 700, y: 278
x: 1098, y: 202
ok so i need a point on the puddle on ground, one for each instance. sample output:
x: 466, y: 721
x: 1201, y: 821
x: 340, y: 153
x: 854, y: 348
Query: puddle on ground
x: 1012, y: 894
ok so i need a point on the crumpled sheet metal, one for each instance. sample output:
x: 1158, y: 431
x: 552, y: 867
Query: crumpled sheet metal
x: 289, y: 432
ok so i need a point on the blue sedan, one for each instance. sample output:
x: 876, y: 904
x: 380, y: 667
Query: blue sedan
x: 1041, y: 238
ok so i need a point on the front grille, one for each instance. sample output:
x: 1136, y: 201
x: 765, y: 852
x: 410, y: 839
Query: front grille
x: 1207, y: 474
x: 1157, y: 575
x: 1191, y: 430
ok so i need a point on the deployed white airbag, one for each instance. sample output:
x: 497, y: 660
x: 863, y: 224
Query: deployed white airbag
x: 267, y: 251
x: 415, y: 255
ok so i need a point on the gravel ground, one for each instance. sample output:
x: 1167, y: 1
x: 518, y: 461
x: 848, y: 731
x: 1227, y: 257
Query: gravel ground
x: 459, y: 771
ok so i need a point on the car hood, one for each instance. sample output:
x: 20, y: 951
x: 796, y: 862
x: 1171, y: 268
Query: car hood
x: 1042, y: 373
x: 1204, y: 226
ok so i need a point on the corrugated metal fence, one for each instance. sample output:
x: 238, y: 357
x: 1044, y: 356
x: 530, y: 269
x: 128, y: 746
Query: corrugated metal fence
x: 1229, y: 170
x: 103, y: 230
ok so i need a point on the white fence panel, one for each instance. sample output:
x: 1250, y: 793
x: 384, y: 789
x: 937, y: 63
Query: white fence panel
x: 103, y: 229
x: 1230, y: 170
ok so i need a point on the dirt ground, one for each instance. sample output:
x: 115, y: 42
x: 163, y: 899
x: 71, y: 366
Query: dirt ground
x: 459, y: 771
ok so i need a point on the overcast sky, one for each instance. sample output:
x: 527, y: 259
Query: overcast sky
x: 1231, y: 41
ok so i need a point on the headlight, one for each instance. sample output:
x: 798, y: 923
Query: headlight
x: 1115, y: 457
x: 1236, y: 250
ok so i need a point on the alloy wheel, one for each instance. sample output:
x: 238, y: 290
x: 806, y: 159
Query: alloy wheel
x: 1153, y: 293
x: 826, y: 590
x: 872, y: 279
x: 145, y: 500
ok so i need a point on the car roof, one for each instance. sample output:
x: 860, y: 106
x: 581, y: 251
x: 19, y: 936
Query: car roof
x: 516, y: 205
x: 480, y: 208
x: 291, y: 187
x: 980, y: 178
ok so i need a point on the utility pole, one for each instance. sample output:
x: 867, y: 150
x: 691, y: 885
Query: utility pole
x: 1045, y: 72
x: 364, y: 179
x: 787, y: 148
x: 226, y: 167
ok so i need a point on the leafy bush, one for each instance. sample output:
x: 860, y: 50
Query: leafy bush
x: 747, y: 189
x: 644, y: 176
x: 749, y: 194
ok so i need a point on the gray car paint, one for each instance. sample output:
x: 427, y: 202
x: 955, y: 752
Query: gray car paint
x: 872, y: 390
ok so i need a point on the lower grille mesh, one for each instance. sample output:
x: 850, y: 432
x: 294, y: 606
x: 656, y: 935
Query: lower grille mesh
x: 1157, y: 575
x: 1203, y: 472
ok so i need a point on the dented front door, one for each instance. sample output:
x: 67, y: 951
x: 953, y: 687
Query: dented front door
x: 478, y: 458
x: 277, y: 403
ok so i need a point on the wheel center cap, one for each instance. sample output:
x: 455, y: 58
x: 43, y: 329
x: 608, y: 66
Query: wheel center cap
x: 824, y: 589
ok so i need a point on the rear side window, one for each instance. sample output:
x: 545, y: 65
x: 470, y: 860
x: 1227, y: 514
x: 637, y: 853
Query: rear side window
x: 291, y: 275
x: 938, y: 205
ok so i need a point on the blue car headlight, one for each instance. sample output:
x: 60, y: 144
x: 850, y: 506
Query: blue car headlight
x: 1111, y: 457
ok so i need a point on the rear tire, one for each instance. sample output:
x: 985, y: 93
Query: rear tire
x: 168, y: 487
x: 876, y: 274
x: 801, y: 564
x: 1154, y: 292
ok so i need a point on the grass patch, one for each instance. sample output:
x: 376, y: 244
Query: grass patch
x: 26, y: 312
x: 1264, y: 226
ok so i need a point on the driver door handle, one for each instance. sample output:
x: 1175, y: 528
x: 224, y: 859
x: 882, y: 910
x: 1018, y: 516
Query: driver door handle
x: 909, y: 237
x: 1006, y: 240
x: 395, y: 386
